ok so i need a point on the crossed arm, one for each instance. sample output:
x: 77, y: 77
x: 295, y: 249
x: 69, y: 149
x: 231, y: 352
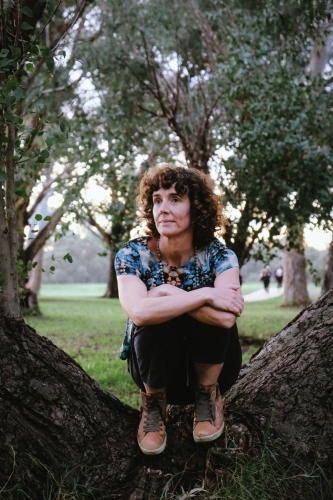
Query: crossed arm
x: 220, y: 305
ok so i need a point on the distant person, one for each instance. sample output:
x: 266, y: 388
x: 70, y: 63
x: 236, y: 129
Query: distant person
x: 279, y: 275
x: 180, y: 287
x: 266, y: 277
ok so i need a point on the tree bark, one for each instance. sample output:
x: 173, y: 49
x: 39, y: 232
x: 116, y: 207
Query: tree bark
x: 285, y: 392
x: 9, y: 292
x: 295, y: 281
x: 328, y: 276
x: 295, y: 289
x: 54, y: 417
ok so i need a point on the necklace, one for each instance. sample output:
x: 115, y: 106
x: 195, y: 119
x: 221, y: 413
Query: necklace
x: 173, y: 274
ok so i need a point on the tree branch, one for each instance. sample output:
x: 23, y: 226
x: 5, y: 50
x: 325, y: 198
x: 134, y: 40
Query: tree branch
x: 103, y: 233
x: 39, y: 241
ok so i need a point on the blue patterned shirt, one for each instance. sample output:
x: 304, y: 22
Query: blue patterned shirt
x: 135, y: 259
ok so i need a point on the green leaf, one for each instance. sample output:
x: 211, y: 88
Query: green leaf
x: 26, y: 26
x: 3, y: 176
x: 30, y: 67
x: 53, y: 258
x: 62, y: 126
x: 11, y: 100
x: 45, y: 153
x: 34, y: 49
x: 18, y: 93
x: 47, y: 217
x: 12, y: 84
x: 9, y: 115
x: 38, y: 217
x: 102, y: 254
x: 52, y: 268
x: 68, y: 257
x: 61, y: 53
x: 47, y: 53
x: 20, y: 262
x: 40, y: 159
x: 18, y: 120
x: 29, y: 265
x: 4, y: 52
x: 50, y: 63
x: 27, y: 11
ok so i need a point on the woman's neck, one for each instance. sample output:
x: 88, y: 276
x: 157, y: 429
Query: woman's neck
x: 175, y: 251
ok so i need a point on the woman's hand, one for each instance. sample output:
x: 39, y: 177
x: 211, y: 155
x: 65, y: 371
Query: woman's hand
x: 227, y: 298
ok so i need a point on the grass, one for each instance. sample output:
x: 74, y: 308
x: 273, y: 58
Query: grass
x: 230, y: 475
x: 90, y: 329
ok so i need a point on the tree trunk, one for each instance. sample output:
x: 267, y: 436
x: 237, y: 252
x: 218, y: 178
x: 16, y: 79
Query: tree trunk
x: 112, y: 286
x: 285, y: 393
x: 58, y: 425
x: 328, y: 276
x: 295, y: 289
x: 294, y: 278
x: 35, y: 276
x: 9, y: 291
x: 29, y: 301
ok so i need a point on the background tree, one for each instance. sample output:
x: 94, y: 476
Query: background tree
x: 199, y: 83
x: 328, y: 276
x: 37, y: 89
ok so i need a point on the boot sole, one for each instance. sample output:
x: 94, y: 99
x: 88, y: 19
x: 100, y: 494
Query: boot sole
x: 157, y: 451
x: 211, y: 437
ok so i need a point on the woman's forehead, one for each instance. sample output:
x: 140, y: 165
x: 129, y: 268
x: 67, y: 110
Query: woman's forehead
x: 169, y: 192
x: 163, y: 190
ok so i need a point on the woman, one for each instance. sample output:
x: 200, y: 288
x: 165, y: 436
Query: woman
x: 180, y: 289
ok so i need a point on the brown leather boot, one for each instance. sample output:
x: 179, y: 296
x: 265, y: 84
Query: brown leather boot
x: 208, y: 414
x: 151, y: 433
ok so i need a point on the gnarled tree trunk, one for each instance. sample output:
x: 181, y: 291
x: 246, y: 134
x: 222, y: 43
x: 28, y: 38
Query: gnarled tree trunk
x: 54, y: 417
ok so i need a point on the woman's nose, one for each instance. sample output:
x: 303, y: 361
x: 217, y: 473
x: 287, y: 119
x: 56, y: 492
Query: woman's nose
x: 164, y: 206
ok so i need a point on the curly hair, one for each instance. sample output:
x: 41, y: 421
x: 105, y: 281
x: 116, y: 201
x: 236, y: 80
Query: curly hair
x: 206, y: 206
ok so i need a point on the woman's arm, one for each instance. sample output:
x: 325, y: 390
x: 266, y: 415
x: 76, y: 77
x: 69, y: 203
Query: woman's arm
x: 226, y: 282
x: 145, y: 308
x: 227, y: 285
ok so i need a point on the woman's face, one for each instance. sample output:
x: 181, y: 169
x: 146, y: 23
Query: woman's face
x: 172, y: 212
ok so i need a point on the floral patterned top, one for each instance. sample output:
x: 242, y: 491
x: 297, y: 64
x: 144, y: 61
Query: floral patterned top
x: 136, y: 259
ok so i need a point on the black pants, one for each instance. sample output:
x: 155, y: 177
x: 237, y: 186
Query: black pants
x: 163, y: 355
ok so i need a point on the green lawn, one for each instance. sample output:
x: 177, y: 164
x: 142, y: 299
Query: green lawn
x: 90, y: 329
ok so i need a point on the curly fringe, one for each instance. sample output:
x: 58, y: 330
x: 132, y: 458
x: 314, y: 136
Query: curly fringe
x: 206, y: 206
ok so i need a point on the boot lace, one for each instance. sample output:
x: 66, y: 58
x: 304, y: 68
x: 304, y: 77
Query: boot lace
x: 153, y: 418
x: 205, y: 408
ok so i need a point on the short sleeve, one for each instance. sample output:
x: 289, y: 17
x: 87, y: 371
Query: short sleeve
x: 224, y: 258
x: 127, y: 261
